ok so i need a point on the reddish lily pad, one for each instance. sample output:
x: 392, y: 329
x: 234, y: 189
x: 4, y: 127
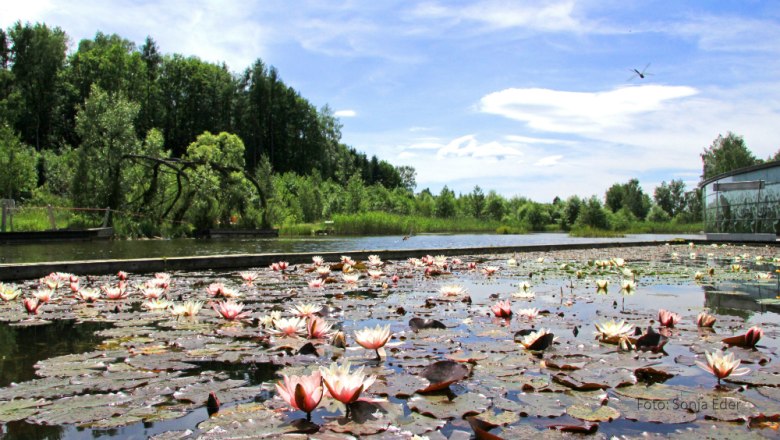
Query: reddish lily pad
x: 418, y: 324
x: 442, y: 374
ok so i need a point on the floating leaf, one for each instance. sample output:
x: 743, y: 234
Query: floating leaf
x: 442, y: 374
x: 600, y: 413
x: 19, y: 409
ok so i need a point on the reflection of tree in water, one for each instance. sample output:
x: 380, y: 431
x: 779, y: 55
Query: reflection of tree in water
x: 744, y: 213
x: 735, y: 298
x: 29, y: 431
x: 22, y: 347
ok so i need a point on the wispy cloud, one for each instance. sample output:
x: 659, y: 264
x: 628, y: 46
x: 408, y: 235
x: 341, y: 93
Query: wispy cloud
x: 468, y: 146
x: 580, y: 112
x: 551, y: 16
x: 347, y: 113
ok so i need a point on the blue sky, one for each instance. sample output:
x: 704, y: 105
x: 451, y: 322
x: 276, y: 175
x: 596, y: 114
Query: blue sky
x: 532, y: 98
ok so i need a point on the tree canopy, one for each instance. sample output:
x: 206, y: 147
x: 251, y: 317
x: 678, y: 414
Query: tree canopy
x: 726, y: 154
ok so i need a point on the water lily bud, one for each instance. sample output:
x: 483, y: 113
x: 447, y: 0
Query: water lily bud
x: 339, y: 340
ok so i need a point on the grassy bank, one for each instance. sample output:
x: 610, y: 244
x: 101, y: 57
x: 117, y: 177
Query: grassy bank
x: 639, y: 228
x: 382, y: 223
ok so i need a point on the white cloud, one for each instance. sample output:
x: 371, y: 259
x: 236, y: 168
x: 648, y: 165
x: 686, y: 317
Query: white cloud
x: 345, y: 114
x: 548, y: 161
x: 192, y: 27
x: 468, y: 146
x: 552, y: 16
x: 580, y: 112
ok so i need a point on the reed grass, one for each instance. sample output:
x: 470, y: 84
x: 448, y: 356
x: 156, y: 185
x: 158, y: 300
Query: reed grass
x: 383, y: 223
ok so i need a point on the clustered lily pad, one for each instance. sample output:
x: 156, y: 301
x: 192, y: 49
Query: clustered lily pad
x: 426, y: 346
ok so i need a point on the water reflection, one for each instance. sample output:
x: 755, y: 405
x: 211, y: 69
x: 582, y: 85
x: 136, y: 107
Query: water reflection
x: 120, y: 249
x: 22, y: 347
x: 740, y: 298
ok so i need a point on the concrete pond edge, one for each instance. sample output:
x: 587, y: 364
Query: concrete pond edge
x: 24, y: 271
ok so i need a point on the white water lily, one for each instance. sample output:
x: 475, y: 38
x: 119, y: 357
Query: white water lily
x: 303, y: 310
x: 611, y: 330
x: 188, y: 309
x: 156, y: 304
x: 452, y: 290
x: 268, y: 320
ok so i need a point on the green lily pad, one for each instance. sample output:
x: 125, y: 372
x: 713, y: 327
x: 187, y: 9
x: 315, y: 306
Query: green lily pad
x: 441, y: 407
x: 590, y: 413
x: 19, y: 409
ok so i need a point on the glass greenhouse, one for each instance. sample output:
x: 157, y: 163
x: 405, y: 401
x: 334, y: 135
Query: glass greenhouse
x: 744, y: 202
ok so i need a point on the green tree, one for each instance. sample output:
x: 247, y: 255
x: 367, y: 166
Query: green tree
x: 670, y: 197
x: 726, y: 154
x: 105, y: 125
x: 592, y: 214
x: 408, y: 177
x: 219, y: 187
x: 658, y: 214
x: 445, y: 203
x: 570, y: 212
x: 38, y: 55
x: 19, y: 164
x: 614, y: 197
x: 628, y: 195
x: 495, y: 206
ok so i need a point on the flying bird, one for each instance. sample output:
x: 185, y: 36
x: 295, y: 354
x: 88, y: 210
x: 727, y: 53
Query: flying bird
x: 640, y: 74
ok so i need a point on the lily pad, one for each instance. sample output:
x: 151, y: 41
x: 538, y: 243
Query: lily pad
x: 442, y: 374
x: 601, y: 413
x: 19, y: 409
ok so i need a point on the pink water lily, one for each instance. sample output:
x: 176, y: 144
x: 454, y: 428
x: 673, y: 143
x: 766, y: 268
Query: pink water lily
x: 705, y: 320
x: 667, y: 318
x: 74, y: 286
x: 115, y: 292
x: 88, y: 295
x: 489, y: 270
x: 343, y: 385
x: 122, y: 275
x: 303, y: 393
x: 748, y: 340
x: 31, y: 305
x: 43, y: 295
x: 373, y: 338
x: 230, y: 310
x: 345, y: 259
x: 248, y: 277
x: 722, y: 366
x: 317, y: 283
x: 279, y: 266
x: 317, y: 260
x: 215, y: 289
x: 502, y: 309
x: 317, y: 328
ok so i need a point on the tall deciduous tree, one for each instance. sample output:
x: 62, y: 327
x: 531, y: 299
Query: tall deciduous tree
x: 630, y: 196
x: 726, y: 154
x: 18, y: 163
x: 670, y: 197
x: 38, y: 57
x: 105, y: 125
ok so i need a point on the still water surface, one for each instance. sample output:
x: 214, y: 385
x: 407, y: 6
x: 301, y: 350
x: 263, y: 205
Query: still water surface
x: 120, y: 249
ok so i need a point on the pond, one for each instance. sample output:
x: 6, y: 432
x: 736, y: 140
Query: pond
x: 119, y: 368
x: 123, y: 249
